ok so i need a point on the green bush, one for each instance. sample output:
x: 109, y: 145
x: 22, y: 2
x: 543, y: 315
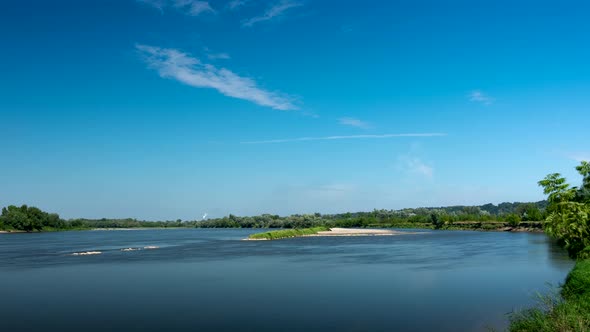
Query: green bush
x: 513, y: 219
x: 570, y: 224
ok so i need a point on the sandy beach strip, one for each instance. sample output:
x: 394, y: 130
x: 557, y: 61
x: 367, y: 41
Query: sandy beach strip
x: 344, y: 232
x: 358, y: 232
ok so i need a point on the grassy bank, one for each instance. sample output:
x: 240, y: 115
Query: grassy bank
x: 570, y: 313
x: 286, y: 233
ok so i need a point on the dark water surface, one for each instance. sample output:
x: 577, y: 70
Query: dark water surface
x: 210, y: 280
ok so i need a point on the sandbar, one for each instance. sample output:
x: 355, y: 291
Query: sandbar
x: 358, y: 232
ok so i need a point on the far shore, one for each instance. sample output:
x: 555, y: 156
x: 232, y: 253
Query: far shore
x: 134, y: 228
x: 465, y: 225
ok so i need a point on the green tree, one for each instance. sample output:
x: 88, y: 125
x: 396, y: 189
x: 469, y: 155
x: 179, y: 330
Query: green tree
x: 584, y: 170
x: 28, y: 218
x: 583, y: 193
x: 568, y: 219
x: 437, y: 222
x: 15, y: 218
x: 558, y: 190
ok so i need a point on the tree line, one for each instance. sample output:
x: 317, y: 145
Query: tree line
x: 29, y: 218
x: 26, y: 218
x: 419, y: 217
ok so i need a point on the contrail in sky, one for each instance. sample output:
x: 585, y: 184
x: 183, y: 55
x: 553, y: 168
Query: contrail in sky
x: 331, y: 138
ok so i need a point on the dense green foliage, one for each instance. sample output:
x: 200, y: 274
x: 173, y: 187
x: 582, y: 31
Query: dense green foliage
x: 568, y: 217
x: 28, y: 219
x: 433, y: 217
x: 568, y: 222
x: 128, y: 223
x: 286, y: 233
x: 570, y: 313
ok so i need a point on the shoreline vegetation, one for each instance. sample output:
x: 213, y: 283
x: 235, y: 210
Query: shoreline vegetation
x: 567, y: 311
x: 568, y: 221
x: 321, y: 231
x: 489, y: 217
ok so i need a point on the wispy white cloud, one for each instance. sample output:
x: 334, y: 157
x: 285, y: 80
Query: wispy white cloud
x: 480, y: 97
x: 157, y: 4
x: 235, y: 4
x: 276, y: 10
x: 417, y: 166
x: 193, y: 7
x: 331, y: 138
x: 180, y: 66
x: 310, y: 114
x: 189, y: 7
x: 413, y: 165
x: 354, y: 123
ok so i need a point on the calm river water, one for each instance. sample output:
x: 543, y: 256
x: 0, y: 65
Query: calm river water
x: 210, y: 280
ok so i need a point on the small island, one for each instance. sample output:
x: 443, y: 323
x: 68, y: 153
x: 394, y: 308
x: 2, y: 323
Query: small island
x: 321, y: 231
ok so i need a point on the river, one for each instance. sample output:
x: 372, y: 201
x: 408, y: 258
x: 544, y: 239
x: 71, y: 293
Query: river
x: 211, y: 280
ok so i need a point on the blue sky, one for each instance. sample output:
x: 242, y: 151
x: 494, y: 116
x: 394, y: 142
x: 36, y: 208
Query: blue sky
x: 165, y: 109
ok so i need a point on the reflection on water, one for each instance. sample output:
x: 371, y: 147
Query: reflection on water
x: 210, y: 280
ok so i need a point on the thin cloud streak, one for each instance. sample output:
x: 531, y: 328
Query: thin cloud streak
x: 180, y: 66
x: 275, y: 11
x: 235, y: 4
x: 188, y: 7
x: 480, y: 97
x: 354, y: 123
x: 346, y: 137
x: 217, y: 56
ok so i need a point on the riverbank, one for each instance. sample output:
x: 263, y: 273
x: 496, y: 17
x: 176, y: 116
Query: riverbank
x: 51, y: 230
x: 571, y: 313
